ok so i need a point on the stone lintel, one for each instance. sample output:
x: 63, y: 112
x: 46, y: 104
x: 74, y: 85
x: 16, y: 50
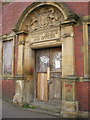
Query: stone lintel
x: 7, y: 37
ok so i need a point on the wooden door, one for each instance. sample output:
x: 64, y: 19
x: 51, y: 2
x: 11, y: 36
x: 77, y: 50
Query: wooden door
x: 42, y: 62
x: 48, y: 88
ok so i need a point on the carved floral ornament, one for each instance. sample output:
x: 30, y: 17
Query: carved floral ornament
x: 44, y: 17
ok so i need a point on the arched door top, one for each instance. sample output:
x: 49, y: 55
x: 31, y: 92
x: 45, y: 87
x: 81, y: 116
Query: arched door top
x: 66, y: 14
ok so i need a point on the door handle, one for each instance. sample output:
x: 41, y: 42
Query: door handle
x: 48, y: 73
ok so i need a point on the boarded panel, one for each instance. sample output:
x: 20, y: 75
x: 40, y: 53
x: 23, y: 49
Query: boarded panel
x: 42, y: 87
x: 7, y: 57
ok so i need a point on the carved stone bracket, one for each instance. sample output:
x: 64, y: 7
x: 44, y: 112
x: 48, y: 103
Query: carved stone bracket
x: 67, y: 35
x: 22, y: 35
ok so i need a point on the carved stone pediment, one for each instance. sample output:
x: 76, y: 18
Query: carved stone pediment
x: 44, y: 17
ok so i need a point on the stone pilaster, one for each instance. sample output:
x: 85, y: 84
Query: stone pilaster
x: 67, y: 37
x: 29, y: 67
x: 18, y: 98
x: 69, y: 106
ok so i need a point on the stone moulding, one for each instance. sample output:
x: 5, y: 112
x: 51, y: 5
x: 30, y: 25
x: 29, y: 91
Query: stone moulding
x: 76, y: 79
x: 19, y: 78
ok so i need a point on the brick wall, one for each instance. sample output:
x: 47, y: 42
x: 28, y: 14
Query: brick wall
x: 79, y: 8
x: 8, y: 89
x: 79, y: 56
x: 11, y: 14
x: 83, y: 95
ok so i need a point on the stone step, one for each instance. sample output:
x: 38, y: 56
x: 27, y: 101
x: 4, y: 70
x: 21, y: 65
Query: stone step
x: 44, y: 111
x: 47, y: 107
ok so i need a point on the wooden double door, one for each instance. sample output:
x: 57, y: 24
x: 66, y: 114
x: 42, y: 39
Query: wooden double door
x: 48, y: 74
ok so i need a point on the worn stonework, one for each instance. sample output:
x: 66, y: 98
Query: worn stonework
x: 69, y: 109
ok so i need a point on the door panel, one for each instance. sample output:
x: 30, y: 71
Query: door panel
x: 42, y: 87
x: 55, y: 64
x: 48, y: 59
x: 55, y: 59
x: 42, y: 62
